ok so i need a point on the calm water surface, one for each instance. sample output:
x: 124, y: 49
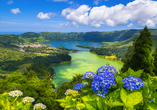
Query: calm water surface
x: 83, y: 61
x: 72, y: 44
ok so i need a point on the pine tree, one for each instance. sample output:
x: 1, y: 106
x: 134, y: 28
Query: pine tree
x: 127, y: 59
x: 155, y: 61
x: 141, y: 57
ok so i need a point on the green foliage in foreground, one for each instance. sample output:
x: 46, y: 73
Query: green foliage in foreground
x: 118, y: 98
x: 31, y: 85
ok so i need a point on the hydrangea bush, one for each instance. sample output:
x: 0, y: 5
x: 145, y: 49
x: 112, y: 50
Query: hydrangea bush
x: 107, y: 89
x: 10, y: 101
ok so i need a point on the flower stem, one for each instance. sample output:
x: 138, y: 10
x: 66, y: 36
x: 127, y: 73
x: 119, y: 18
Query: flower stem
x: 14, y: 101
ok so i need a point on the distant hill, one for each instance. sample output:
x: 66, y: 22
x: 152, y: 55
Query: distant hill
x: 110, y: 36
x: 123, y: 37
x: 8, y: 46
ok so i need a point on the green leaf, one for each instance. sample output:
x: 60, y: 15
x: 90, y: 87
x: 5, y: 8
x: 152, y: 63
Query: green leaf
x: 145, y: 90
x: 117, y: 103
x: 127, y: 73
x: 134, y: 98
x: 152, y: 106
x: 115, y: 95
x: 151, y: 84
x: 70, y: 102
x: 154, y: 95
x: 90, y: 105
x: 80, y: 106
x: 100, y: 103
x: 137, y: 73
x: 123, y: 95
x: 89, y: 97
x: 118, y: 81
x: 60, y: 100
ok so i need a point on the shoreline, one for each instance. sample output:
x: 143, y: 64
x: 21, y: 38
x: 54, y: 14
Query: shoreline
x: 60, y: 63
x: 57, y: 63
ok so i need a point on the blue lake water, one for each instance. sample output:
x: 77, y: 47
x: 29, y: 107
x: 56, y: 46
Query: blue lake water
x: 72, y: 44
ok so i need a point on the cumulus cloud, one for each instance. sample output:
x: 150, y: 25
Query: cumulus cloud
x: 41, y: 15
x: 60, y: 0
x: 144, y: 12
x: 96, y: 2
x: 79, y: 15
x: 15, y: 11
x: 10, y: 2
x: 130, y: 25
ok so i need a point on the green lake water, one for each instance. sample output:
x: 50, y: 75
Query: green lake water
x: 82, y: 62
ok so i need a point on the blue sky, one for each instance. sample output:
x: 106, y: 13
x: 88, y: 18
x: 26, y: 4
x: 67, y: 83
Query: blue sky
x: 76, y: 15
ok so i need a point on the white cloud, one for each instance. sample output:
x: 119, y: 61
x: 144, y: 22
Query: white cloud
x: 15, y: 11
x: 96, y: 2
x: 144, y: 12
x: 10, y: 2
x: 41, y: 15
x: 60, y: 0
x: 130, y: 25
x: 79, y: 15
x: 66, y: 24
x: 75, y: 24
x: 150, y: 23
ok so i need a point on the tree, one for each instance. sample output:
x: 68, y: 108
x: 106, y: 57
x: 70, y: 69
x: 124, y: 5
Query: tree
x: 31, y: 74
x: 155, y: 61
x: 127, y: 59
x: 141, y: 57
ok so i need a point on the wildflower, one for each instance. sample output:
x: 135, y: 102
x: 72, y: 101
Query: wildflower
x: 106, y: 68
x: 68, y: 92
x: 73, y: 109
x: 132, y: 83
x: 39, y: 106
x: 28, y: 99
x: 78, y: 87
x: 15, y: 93
x: 88, y: 75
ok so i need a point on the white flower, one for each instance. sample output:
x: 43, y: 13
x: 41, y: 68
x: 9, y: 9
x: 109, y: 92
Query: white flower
x: 39, y: 106
x: 68, y: 92
x: 15, y: 93
x: 28, y: 99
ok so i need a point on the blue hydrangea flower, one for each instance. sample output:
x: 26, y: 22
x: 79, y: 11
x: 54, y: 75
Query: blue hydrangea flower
x: 106, y: 68
x: 73, y: 109
x: 102, y: 93
x: 151, y: 100
x: 78, y: 87
x: 102, y: 82
x: 132, y: 83
x: 89, y: 74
